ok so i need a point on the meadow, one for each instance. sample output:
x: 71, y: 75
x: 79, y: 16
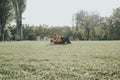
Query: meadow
x: 40, y: 60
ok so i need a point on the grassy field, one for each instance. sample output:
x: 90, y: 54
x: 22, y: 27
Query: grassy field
x: 39, y: 60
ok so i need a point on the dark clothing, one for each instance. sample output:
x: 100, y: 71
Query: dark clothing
x: 65, y: 39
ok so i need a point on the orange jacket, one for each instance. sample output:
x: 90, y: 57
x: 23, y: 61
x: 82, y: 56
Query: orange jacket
x: 58, y: 39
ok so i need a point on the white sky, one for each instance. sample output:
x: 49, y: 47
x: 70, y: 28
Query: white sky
x: 59, y: 12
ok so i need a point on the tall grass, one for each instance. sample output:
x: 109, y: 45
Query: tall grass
x: 39, y: 60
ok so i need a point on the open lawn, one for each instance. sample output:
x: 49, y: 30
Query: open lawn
x: 39, y: 60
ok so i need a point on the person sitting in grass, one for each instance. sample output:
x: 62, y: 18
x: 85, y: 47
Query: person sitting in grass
x: 57, y: 39
x: 60, y: 40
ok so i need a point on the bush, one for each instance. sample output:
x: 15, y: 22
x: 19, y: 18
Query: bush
x: 32, y: 36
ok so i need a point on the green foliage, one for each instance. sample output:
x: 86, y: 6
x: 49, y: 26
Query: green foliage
x: 44, y: 31
x: 96, y: 27
x: 22, y: 5
x: 88, y: 22
x: 9, y: 9
x: 7, y: 34
x: 32, y: 36
x: 88, y: 26
x: 116, y: 23
x: 5, y: 11
x: 81, y: 60
x: 6, y: 14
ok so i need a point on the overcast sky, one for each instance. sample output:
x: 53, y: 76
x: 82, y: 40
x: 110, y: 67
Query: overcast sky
x: 59, y: 12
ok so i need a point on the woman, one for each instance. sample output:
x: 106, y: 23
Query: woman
x: 57, y: 39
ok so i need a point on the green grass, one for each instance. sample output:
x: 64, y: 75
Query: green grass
x: 39, y: 60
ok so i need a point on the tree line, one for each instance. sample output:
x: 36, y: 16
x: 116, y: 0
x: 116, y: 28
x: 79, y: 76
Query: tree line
x: 91, y: 26
x: 86, y: 25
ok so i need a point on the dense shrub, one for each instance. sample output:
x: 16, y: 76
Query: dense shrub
x: 32, y: 36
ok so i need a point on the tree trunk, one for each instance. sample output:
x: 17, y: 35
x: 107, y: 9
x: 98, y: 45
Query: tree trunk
x: 21, y: 28
x: 18, y: 29
x: 88, y: 33
x: 2, y: 33
x: 18, y: 20
x: 2, y: 26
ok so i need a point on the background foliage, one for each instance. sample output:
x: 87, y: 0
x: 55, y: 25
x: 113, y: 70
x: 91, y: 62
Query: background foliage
x: 86, y: 25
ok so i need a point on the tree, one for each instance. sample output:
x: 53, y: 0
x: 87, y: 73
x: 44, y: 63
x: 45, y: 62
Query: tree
x: 19, y: 7
x: 87, y: 21
x: 116, y: 23
x: 5, y: 15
